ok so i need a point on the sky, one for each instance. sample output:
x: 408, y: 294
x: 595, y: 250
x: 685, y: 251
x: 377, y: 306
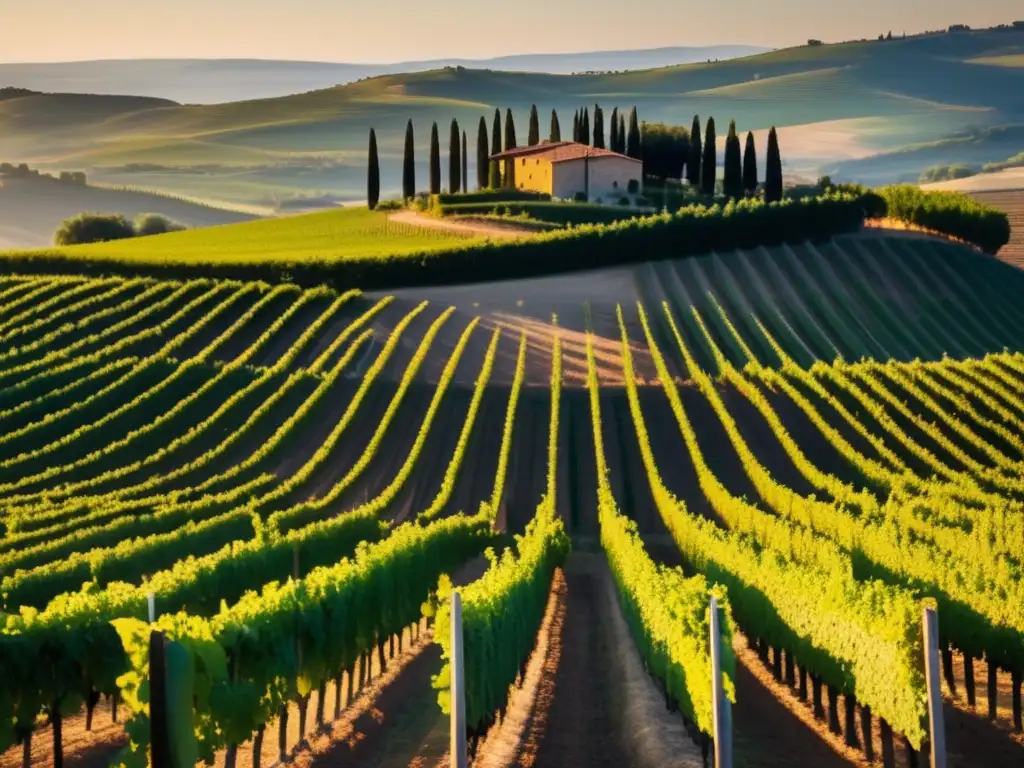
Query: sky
x: 396, y: 30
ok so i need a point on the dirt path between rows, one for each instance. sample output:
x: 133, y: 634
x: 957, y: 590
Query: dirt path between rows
x: 597, y: 705
x: 496, y: 229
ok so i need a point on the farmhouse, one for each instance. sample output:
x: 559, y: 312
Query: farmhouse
x: 565, y: 168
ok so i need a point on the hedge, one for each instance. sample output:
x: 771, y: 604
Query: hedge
x: 690, y: 231
x: 951, y: 213
x: 488, y: 196
x: 558, y: 213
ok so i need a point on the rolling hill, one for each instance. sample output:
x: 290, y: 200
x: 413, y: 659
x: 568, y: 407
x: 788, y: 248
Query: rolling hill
x: 211, y: 81
x: 845, y: 101
x: 31, y: 210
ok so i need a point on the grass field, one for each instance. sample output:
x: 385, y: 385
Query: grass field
x: 775, y: 420
x: 896, y: 93
x: 324, y: 236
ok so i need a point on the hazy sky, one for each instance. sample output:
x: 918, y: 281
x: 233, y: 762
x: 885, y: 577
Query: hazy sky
x: 397, y: 30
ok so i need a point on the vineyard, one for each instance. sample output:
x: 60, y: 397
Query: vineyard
x: 290, y: 482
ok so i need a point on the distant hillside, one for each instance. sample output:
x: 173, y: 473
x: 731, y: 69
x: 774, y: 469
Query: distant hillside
x: 835, y: 103
x: 212, y: 81
x: 973, y: 148
x: 31, y: 210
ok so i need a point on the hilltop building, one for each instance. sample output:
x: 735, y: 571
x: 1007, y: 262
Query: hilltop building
x: 565, y: 168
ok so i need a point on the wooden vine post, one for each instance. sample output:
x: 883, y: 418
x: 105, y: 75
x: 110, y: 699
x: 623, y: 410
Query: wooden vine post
x: 457, y: 743
x: 936, y: 728
x: 160, y: 751
x: 721, y: 711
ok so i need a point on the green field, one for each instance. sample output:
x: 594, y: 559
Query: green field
x: 325, y: 236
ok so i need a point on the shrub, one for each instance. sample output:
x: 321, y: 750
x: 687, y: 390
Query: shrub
x: 155, y: 224
x: 624, y: 200
x: 946, y: 172
x: 93, y: 228
x: 950, y: 213
x: 633, y: 186
x: 580, y: 197
x: 390, y: 205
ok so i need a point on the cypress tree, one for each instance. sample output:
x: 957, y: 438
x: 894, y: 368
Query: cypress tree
x: 465, y: 165
x: 576, y: 126
x: 750, y: 165
x: 598, y: 127
x: 613, y: 131
x: 373, y: 174
x: 533, y: 138
x: 773, y: 169
x: 435, y: 162
x: 693, y: 163
x: 556, y: 129
x: 633, y: 137
x: 733, y: 183
x: 510, y: 143
x: 454, y: 159
x: 585, y: 126
x: 494, y: 178
x: 709, y: 164
x: 409, y: 165
x: 622, y: 134
x: 482, y: 154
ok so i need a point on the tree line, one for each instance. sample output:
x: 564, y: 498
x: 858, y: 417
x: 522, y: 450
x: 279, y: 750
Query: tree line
x: 667, y: 152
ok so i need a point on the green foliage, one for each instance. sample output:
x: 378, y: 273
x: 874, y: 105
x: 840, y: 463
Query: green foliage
x: 492, y: 196
x: 409, y: 164
x: 709, y: 163
x: 950, y: 213
x: 693, y: 164
x: 373, y: 174
x: 750, y: 165
x: 947, y: 172
x: 465, y: 164
x: 533, y: 135
x: 454, y: 158
x: 584, y: 126
x: 773, y: 169
x: 286, y: 639
x: 667, y: 613
x: 665, y: 150
x: 598, y: 127
x: 634, y: 142
x: 613, y: 131
x: 494, y: 176
x: 555, y: 133
x: 93, y: 228
x: 482, y: 154
x: 146, y: 224
x: 689, y: 231
x: 435, y: 161
x: 733, y: 182
x: 554, y: 212
x: 502, y: 611
x: 790, y: 589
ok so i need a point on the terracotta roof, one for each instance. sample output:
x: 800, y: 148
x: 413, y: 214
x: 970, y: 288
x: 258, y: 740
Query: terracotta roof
x: 523, y: 151
x: 559, y: 152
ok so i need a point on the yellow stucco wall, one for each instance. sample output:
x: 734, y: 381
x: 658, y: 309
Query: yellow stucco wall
x: 533, y: 173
